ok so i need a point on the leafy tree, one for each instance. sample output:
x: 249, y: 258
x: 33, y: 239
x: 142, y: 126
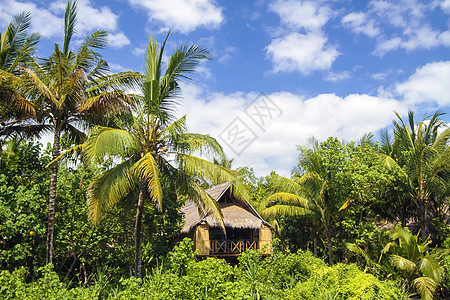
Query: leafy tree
x: 72, y: 89
x: 23, y: 186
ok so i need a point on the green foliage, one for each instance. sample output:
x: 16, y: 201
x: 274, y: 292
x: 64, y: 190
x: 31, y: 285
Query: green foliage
x: 343, y: 282
x: 23, y: 186
x: 291, y: 276
x: 181, y: 257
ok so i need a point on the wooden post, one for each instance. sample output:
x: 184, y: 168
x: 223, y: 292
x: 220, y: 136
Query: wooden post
x: 265, y: 239
x: 202, y: 242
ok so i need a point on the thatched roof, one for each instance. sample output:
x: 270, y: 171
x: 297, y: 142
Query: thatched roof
x: 240, y: 214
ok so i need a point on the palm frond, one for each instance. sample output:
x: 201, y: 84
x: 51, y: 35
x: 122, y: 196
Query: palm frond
x: 40, y: 87
x: 198, y: 167
x: 430, y: 268
x: 289, y: 199
x: 206, y: 204
x: 109, y: 141
x: 425, y: 286
x: 201, y: 144
x: 69, y: 24
x: 77, y: 149
x: 358, y: 250
x: 402, y: 263
x: 287, y: 210
x: 108, y: 188
x: 147, y: 170
x: 282, y: 184
x: 87, y: 59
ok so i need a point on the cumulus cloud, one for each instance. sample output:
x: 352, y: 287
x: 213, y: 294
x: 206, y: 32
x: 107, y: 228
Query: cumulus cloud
x: 429, y: 83
x: 118, y: 40
x: 301, y: 52
x: 49, y: 20
x: 359, y: 23
x: 309, y: 15
x: 301, y: 45
x: 138, y: 51
x: 403, y: 24
x: 89, y: 18
x: 182, y: 15
x: 43, y: 20
x: 275, y: 147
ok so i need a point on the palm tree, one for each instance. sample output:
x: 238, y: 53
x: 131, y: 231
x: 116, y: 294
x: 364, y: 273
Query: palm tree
x: 288, y: 201
x: 73, y: 90
x: 307, y: 195
x: 419, y: 267
x: 422, y: 149
x: 16, y: 49
x: 153, y: 145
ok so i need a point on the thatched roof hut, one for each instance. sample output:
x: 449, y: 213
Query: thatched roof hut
x: 244, y: 226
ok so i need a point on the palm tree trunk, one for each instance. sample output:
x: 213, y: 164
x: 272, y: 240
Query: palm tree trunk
x: 52, y: 195
x: 137, y: 232
x: 423, y: 210
x: 329, y: 244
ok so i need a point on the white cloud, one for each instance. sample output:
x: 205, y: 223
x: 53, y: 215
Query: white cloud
x: 138, y: 51
x: 301, y: 44
x: 275, y: 146
x: 118, y: 40
x: 117, y: 68
x: 43, y: 20
x: 301, y: 52
x: 446, y: 5
x: 429, y: 83
x: 379, y: 76
x: 359, y: 23
x: 335, y: 77
x: 49, y: 22
x: 182, y: 15
x: 309, y: 15
x: 387, y: 45
x: 403, y: 24
x: 89, y: 18
x: 226, y: 54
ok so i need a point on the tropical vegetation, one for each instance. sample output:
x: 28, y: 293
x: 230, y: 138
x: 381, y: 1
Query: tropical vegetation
x: 96, y: 214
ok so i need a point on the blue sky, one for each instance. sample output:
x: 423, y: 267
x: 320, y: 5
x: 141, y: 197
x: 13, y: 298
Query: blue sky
x: 283, y: 71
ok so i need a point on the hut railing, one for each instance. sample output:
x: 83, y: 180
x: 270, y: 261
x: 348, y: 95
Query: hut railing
x: 231, y: 246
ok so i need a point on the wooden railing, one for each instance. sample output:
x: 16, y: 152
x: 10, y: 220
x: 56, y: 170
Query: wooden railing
x: 231, y: 246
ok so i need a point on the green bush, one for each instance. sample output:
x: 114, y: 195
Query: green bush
x: 343, y: 282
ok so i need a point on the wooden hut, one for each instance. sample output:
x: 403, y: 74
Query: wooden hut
x: 245, y: 229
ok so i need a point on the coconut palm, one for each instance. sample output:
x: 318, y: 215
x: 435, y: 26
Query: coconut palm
x: 288, y: 201
x: 16, y: 49
x: 422, y: 149
x: 72, y: 90
x: 153, y: 145
x: 306, y: 195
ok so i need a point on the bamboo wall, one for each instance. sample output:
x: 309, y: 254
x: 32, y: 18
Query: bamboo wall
x: 202, y: 239
x: 265, y: 239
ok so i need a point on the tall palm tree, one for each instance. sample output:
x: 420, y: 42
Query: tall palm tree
x: 72, y: 90
x: 424, y: 153
x: 16, y: 49
x: 153, y: 144
x: 308, y: 195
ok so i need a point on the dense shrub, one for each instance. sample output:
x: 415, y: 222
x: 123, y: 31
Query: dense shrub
x: 280, y: 276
